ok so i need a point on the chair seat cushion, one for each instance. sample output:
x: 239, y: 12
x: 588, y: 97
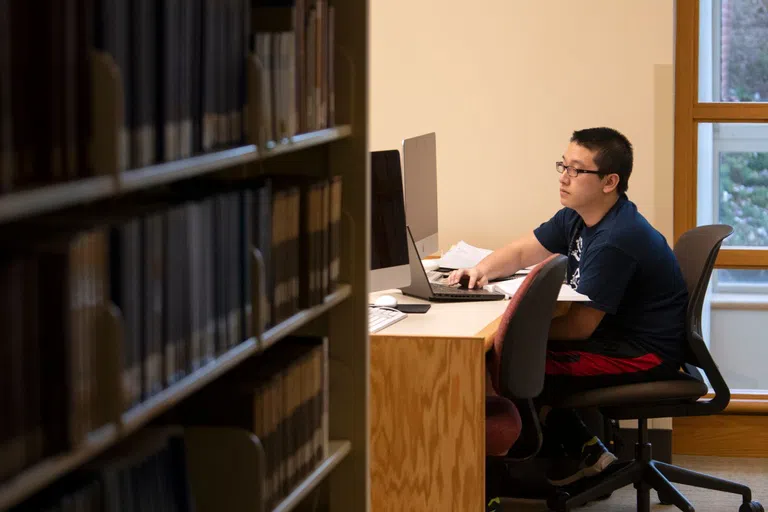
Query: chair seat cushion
x: 646, y: 393
x: 502, y: 425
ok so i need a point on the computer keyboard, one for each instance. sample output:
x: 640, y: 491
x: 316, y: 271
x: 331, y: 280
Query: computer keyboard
x: 380, y: 318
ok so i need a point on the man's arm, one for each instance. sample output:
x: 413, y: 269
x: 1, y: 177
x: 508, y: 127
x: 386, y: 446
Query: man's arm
x: 606, y: 272
x: 524, y: 252
x: 577, y: 324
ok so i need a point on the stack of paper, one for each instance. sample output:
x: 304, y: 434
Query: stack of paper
x: 463, y: 255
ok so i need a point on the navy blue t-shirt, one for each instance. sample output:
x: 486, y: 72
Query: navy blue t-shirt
x: 628, y: 271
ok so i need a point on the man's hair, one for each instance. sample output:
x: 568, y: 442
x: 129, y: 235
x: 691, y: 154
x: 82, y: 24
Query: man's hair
x: 613, y: 152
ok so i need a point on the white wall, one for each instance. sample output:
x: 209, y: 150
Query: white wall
x: 738, y: 344
x: 503, y: 83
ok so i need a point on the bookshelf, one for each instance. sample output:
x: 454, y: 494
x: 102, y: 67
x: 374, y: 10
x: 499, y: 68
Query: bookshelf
x: 119, y: 185
x: 18, y: 205
x: 37, y: 477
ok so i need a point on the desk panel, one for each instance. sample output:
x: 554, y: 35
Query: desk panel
x: 427, y: 423
x: 427, y: 406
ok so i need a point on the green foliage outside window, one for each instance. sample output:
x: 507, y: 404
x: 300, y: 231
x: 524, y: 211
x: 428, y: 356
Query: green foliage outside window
x: 744, y: 197
x: 745, y: 50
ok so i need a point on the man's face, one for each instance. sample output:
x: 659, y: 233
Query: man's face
x: 584, y: 188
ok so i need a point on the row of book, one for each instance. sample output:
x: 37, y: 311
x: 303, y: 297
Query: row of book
x: 182, y: 71
x: 294, y: 48
x: 149, y: 473
x: 49, y: 320
x: 45, y: 93
x: 180, y: 278
x: 151, y: 298
x: 282, y: 398
x: 182, y: 80
x: 304, y: 254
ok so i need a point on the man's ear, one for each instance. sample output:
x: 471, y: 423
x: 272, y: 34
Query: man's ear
x: 610, y: 183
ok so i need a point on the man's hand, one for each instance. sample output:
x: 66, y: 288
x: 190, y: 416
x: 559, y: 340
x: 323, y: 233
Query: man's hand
x: 477, y: 277
x: 523, y: 252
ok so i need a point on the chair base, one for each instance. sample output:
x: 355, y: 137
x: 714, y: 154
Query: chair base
x: 646, y: 474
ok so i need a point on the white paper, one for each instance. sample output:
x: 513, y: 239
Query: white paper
x: 569, y: 294
x: 463, y: 255
x: 509, y: 288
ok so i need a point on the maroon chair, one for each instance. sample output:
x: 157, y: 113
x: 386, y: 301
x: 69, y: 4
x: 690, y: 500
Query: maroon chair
x: 516, y: 362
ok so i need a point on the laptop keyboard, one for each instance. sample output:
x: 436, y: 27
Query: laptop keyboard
x: 441, y: 289
x: 435, y: 276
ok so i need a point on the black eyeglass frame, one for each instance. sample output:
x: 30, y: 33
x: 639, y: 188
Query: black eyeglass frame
x: 569, y: 169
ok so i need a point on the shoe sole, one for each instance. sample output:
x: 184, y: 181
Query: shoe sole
x: 605, y: 460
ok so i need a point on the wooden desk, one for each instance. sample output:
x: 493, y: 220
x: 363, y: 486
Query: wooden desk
x: 427, y: 407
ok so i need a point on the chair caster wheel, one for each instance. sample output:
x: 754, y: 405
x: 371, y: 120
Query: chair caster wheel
x: 664, y: 499
x: 557, y: 502
x: 752, y: 506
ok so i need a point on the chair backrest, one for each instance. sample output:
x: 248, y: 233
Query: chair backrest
x: 518, y: 359
x: 696, y: 252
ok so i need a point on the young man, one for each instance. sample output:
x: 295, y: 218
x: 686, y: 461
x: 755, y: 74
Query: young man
x: 632, y: 330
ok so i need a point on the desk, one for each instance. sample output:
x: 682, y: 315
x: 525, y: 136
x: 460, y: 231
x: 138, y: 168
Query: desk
x: 427, y: 406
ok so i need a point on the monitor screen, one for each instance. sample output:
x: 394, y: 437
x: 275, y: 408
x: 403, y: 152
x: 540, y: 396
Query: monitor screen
x: 389, y: 243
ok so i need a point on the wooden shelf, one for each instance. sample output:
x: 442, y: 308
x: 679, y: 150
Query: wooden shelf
x: 338, y: 450
x: 308, y: 140
x: 42, y: 474
x: 18, y: 205
x: 160, y: 174
x: 273, y: 335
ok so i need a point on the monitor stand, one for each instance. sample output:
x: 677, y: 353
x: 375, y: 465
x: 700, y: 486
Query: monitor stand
x: 419, y: 286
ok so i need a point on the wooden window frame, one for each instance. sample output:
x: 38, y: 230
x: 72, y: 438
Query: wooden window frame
x: 689, y: 112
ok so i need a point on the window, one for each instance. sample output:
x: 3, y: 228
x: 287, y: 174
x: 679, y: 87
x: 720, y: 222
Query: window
x: 721, y: 128
x: 728, y: 280
x: 738, y: 30
x: 733, y: 162
x: 733, y: 157
x: 721, y: 167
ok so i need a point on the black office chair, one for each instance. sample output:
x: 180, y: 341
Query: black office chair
x: 696, y: 252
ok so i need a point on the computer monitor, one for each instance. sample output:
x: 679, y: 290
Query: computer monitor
x: 420, y: 163
x: 389, y: 242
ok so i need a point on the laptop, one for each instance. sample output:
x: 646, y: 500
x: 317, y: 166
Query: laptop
x: 422, y: 288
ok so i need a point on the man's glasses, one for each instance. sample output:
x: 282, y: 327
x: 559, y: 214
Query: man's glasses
x: 573, y: 171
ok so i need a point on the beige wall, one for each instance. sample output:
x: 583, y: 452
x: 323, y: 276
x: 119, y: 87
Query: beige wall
x: 503, y: 83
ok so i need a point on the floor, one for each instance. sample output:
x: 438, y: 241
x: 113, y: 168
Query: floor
x: 753, y: 472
